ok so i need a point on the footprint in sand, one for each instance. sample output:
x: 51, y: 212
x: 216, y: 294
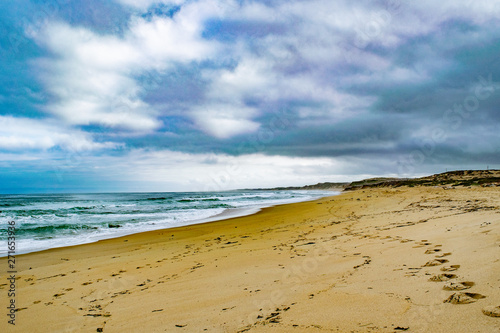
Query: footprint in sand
x: 463, y: 298
x: 458, y: 285
x: 435, y: 262
x: 432, y: 251
x: 450, y: 268
x: 492, y: 311
x: 422, y: 243
x: 442, y: 277
x: 444, y: 255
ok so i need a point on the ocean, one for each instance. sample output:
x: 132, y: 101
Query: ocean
x: 45, y: 221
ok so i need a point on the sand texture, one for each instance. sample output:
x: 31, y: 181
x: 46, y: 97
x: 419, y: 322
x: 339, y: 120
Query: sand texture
x: 419, y: 259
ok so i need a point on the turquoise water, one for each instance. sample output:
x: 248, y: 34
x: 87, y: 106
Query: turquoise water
x: 53, y: 220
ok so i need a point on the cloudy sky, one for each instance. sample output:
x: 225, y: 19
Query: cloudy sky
x: 193, y: 95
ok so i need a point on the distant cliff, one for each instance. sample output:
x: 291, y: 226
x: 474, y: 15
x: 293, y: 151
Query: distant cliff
x: 451, y: 178
x: 319, y: 186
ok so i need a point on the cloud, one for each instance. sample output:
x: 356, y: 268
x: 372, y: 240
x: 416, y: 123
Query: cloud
x: 363, y: 83
x: 20, y: 134
x: 145, y: 4
x: 224, y: 121
x: 210, y: 171
x: 91, y: 78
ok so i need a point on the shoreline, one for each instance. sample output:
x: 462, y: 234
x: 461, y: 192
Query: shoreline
x: 360, y: 261
x: 228, y: 213
x: 157, y: 232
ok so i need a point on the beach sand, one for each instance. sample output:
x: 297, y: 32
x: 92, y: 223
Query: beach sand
x: 374, y: 260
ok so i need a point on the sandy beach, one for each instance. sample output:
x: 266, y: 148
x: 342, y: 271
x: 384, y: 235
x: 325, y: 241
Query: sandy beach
x: 416, y: 259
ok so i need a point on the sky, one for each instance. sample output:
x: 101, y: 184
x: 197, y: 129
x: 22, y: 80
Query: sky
x: 206, y: 95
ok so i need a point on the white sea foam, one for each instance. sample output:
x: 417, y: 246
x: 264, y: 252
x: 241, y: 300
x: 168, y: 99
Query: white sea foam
x: 50, y: 221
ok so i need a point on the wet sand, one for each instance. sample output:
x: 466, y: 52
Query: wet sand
x: 415, y: 259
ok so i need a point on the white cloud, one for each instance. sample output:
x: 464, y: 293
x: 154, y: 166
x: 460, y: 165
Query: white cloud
x: 224, y: 113
x: 251, y: 78
x: 92, y: 77
x: 214, y: 172
x: 225, y: 120
x: 23, y: 133
x: 13, y: 157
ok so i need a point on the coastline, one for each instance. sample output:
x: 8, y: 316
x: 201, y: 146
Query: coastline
x: 355, y: 261
x: 122, y: 232
x: 152, y: 234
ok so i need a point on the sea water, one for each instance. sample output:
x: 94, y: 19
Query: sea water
x: 45, y: 221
